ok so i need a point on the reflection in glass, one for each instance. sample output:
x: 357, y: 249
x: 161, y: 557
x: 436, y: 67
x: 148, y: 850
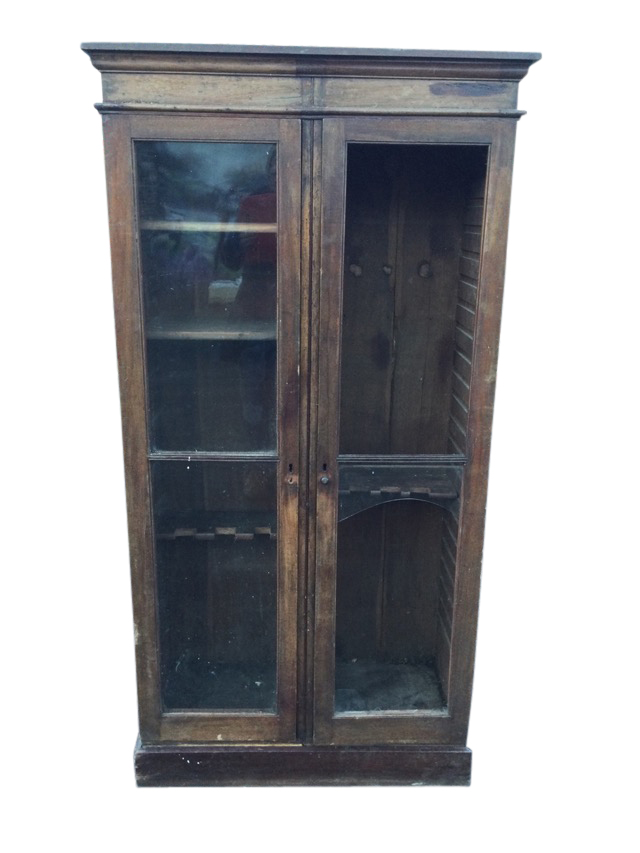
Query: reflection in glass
x: 208, y: 235
x: 215, y: 533
x: 212, y: 395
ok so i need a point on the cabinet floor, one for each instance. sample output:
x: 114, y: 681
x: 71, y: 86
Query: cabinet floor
x: 368, y: 685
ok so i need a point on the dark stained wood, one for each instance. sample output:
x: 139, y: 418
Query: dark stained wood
x: 424, y: 258
x: 466, y: 306
x: 304, y: 711
x: 315, y: 417
x: 326, y: 401
x: 368, y: 306
x: 451, y: 725
x: 289, y: 418
x: 446, y: 595
x: 156, y: 724
x: 410, y: 581
x: 184, y: 766
x: 387, y: 577
x: 398, y: 278
x: 303, y: 80
x: 402, y: 259
x: 359, y: 586
x: 130, y: 342
x: 481, y: 399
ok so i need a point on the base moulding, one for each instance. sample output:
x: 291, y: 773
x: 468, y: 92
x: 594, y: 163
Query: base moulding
x: 183, y: 766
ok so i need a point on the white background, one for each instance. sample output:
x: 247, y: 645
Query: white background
x: 554, y: 718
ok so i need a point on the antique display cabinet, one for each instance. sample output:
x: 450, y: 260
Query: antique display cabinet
x: 308, y: 250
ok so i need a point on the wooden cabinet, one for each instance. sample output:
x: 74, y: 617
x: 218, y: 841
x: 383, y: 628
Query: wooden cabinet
x: 308, y: 255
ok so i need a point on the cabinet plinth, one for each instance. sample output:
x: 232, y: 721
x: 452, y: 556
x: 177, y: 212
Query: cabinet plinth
x: 308, y: 251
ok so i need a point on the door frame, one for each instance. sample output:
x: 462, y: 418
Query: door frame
x: 450, y: 725
x: 121, y: 131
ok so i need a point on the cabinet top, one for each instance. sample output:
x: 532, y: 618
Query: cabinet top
x: 113, y: 55
x: 290, y: 50
x: 299, y: 79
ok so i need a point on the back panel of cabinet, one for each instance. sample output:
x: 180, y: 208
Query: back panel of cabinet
x: 412, y: 244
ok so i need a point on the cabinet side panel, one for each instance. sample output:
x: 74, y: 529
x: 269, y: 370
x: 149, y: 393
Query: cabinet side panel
x: 481, y: 398
x: 119, y: 168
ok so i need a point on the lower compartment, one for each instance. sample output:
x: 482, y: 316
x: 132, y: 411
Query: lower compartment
x: 369, y: 685
x: 394, y: 603
x: 183, y: 766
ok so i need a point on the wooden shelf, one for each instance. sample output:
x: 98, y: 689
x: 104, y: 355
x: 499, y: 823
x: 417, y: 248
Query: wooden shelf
x: 363, y: 487
x: 390, y: 492
x: 400, y: 478
x: 229, y: 526
x: 211, y: 329
x: 216, y: 227
x: 401, y: 492
x: 353, y: 501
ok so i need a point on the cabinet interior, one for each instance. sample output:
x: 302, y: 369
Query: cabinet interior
x: 413, y: 230
x: 215, y: 532
x: 413, y: 233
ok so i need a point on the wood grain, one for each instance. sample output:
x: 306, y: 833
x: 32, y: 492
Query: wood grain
x: 482, y: 382
x: 456, y: 595
x: 131, y: 362
x: 390, y: 279
x: 183, y: 766
x: 285, y: 94
x: 309, y: 62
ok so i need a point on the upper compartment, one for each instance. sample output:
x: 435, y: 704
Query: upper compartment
x: 413, y: 237
x: 222, y: 78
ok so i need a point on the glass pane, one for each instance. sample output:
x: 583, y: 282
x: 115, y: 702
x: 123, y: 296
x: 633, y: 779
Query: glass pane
x: 208, y: 238
x: 215, y: 533
x: 394, y: 590
x: 412, y: 248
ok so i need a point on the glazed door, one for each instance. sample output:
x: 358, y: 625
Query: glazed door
x: 404, y: 297
x: 208, y: 303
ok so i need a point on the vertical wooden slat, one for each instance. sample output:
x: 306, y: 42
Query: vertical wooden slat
x: 445, y: 600
x: 327, y: 397
x: 306, y: 162
x: 289, y: 200
x: 464, y: 342
x: 309, y: 271
x: 313, y: 466
x: 466, y: 308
